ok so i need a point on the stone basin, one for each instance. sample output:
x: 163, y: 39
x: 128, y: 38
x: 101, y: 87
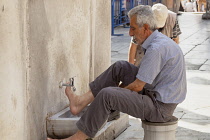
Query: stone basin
x: 63, y: 124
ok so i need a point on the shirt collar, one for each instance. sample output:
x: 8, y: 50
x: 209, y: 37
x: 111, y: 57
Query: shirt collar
x: 147, y: 42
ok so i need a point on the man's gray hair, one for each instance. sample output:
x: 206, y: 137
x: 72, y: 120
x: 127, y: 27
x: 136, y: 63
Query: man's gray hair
x: 144, y: 15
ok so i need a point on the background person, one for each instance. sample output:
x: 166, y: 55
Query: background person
x: 201, y: 5
x: 189, y: 6
x: 195, y: 6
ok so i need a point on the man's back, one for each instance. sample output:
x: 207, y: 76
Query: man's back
x: 163, y: 68
x: 170, y: 23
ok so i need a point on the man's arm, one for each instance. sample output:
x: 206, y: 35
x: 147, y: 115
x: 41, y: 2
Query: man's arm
x: 132, y: 53
x: 137, y: 85
x: 176, y: 39
x: 176, y: 32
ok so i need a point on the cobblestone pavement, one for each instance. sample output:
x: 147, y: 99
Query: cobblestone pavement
x: 194, y: 112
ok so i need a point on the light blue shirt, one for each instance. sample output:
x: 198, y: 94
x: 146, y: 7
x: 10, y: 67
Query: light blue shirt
x: 163, y: 69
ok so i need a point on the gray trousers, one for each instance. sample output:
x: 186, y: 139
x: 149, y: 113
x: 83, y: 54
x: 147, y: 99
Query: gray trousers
x: 108, y: 96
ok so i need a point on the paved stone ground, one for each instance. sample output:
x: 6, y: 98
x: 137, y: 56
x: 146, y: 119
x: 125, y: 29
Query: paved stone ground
x: 194, y: 112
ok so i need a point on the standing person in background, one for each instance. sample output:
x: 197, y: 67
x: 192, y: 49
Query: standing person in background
x: 189, y: 6
x: 195, y: 6
x: 183, y: 3
x: 167, y: 24
x: 200, y: 3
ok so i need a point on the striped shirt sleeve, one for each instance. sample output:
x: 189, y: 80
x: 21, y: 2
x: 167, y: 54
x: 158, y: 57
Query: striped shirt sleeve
x: 150, y: 67
x: 176, y: 30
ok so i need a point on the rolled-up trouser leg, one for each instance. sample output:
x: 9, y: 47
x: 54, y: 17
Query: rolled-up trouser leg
x: 120, y: 71
x: 116, y: 98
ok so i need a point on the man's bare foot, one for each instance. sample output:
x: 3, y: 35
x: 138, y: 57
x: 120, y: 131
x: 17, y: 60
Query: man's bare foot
x: 69, y: 138
x: 78, y: 102
x: 74, y: 101
x: 78, y: 136
x: 59, y: 139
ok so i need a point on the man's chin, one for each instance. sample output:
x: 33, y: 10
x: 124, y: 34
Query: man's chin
x: 138, y: 43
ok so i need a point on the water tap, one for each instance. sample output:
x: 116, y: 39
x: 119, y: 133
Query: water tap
x: 71, y: 84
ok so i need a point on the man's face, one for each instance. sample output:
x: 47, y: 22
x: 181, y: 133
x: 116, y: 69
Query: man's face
x: 139, y: 33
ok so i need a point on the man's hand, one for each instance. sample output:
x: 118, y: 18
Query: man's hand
x: 137, y: 85
x: 176, y: 39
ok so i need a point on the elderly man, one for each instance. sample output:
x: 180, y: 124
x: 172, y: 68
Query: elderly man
x: 167, y: 24
x: 151, y: 91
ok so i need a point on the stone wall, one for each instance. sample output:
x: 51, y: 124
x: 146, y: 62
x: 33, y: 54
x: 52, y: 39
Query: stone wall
x: 42, y: 43
x: 12, y: 71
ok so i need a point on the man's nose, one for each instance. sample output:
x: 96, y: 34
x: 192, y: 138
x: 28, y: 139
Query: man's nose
x: 131, y: 32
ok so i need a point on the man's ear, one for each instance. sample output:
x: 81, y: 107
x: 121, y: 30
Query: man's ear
x: 147, y: 30
x: 146, y: 27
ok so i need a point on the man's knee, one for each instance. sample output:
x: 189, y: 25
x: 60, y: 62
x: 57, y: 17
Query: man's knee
x: 121, y: 63
x: 106, y: 93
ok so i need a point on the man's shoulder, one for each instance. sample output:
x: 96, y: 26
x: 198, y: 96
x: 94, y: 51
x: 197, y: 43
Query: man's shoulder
x: 161, y: 38
x: 161, y: 41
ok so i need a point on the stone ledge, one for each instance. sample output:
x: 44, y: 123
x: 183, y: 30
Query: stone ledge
x: 113, y: 128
